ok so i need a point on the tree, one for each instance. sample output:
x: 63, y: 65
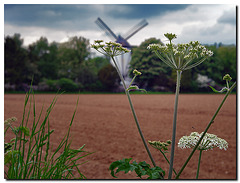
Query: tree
x: 222, y: 62
x: 149, y: 64
x: 15, y: 60
x: 109, y: 77
x: 88, y: 71
x: 227, y: 55
x: 43, y: 58
x: 188, y: 80
x: 71, y: 54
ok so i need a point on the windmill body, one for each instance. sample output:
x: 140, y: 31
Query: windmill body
x: 122, y: 60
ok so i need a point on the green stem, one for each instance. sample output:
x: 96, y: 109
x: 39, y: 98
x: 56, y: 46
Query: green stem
x: 208, y: 126
x: 132, y: 80
x: 139, y: 129
x: 227, y: 84
x: 5, y: 130
x: 134, y: 114
x: 179, y: 72
x: 199, y: 161
x: 167, y: 160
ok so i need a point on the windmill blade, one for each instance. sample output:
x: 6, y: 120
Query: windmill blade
x: 105, y: 28
x: 135, y: 29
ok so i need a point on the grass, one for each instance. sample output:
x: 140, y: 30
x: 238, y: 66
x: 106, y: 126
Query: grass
x: 28, y: 155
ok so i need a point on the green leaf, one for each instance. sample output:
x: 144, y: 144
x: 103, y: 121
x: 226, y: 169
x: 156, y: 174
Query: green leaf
x: 135, y: 87
x: 155, y: 172
x: 143, y: 90
x: 220, y: 91
x: 25, y: 130
x: 122, y: 165
x: 9, y: 155
x: 47, y: 135
x: 141, y: 168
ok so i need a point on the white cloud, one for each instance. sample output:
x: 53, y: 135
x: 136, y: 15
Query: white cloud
x: 196, y: 22
x: 32, y: 34
x: 228, y: 16
x: 211, y: 31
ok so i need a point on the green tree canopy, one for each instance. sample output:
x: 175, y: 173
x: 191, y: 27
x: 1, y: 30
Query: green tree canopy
x: 154, y: 71
x: 15, y: 60
x: 71, y: 54
x: 43, y: 58
x: 222, y: 62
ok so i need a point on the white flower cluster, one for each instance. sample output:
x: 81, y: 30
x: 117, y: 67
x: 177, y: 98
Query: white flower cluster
x: 209, y: 141
x: 181, y: 56
x: 158, y: 47
x: 8, y: 121
x: 109, y: 48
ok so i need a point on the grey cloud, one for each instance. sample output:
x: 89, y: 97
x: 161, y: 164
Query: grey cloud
x: 81, y: 16
x: 70, y: 19
x: 53, y: 16
x: 228, y: 17
x: 137, y: 11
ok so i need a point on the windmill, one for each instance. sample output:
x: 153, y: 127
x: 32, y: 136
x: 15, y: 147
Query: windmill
x: 122, y: 60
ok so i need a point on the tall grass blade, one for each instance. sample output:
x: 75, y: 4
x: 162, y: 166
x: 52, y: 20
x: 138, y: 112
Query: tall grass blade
x: 27, y: 161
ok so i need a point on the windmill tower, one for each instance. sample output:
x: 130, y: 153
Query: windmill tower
x: 122, y: 60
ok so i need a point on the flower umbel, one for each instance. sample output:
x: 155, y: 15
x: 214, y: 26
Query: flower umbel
x: 209, y: 141
x: 227, y: 77
x: 109, y: 48
x: 181, y: 55
x: 160, y: 145
x: 136, y: 72
x: 170, y: 36
x: 9, y: 121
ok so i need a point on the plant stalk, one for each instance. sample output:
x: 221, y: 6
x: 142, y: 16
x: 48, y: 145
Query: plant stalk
x: 199, y: 161
x: 167, y: 160
x: 208, y: 126
x: 179, y: 72
x: 134, y: 114
x: 132, y: 80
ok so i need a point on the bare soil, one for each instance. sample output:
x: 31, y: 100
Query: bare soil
x: 105, y: 124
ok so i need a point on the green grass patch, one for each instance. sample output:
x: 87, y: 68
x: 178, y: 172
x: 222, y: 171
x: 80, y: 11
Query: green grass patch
x: 29, y: 155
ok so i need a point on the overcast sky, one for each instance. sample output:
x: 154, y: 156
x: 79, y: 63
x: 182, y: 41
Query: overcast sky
x: 206, y: 23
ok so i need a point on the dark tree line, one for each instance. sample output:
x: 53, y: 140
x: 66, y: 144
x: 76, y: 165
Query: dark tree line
x: 71, y: 67
x: 54, y: 65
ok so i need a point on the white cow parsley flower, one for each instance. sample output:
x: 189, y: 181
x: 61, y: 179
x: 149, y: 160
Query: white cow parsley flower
x: 181, y: 56
x: 209, y: 141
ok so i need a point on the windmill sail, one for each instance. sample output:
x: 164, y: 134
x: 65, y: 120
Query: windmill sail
x: 105, y: 28
x: 135, y: 29
x: 122, y: 61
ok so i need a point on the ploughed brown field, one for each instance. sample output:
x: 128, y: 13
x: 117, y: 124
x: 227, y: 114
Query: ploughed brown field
x: 105, y: 124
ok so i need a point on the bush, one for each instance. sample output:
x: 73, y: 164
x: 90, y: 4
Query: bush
x: 66, y: 84
x: 52, y: 85
x: 96, y: 86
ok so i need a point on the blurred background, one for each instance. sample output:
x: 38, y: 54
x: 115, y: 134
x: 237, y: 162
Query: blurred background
x: 49, y: 44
